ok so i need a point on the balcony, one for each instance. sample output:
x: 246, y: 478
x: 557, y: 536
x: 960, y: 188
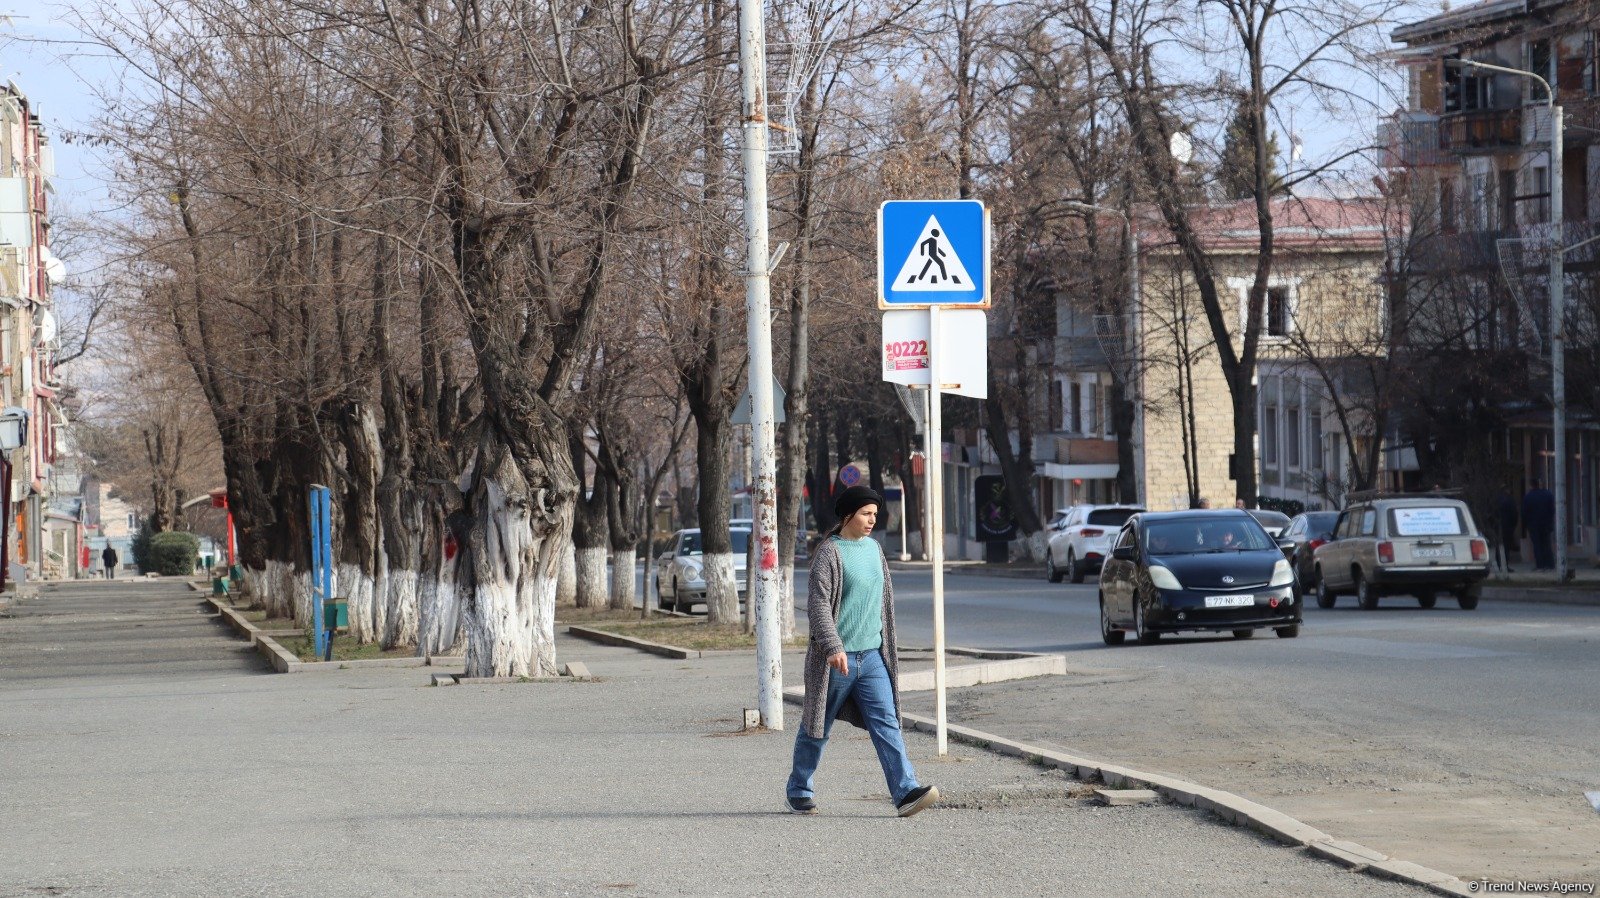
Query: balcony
x: 1483, y: 131
x: 1412, y: 140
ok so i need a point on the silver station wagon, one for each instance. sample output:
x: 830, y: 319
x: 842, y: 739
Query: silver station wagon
x: 1419, y: 545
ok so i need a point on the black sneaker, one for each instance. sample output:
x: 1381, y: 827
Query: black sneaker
x: 802, y: 806
x: 917, y: 799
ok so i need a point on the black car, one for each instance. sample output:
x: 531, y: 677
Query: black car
x: 1300, y: 540
x: 1196, y: 570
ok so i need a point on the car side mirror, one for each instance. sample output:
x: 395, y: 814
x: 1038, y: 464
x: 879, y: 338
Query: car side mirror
x: 1122, y: 553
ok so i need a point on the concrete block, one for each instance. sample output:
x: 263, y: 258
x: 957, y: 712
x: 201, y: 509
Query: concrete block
x: 444, y: 680
x: 1124, y: 797
x: 576, y: 669
x: 1284, y: 828
x: 752, y: 719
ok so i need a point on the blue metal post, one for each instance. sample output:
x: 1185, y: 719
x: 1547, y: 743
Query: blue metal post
x: 321, y: 568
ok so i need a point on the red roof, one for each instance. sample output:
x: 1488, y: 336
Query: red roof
x: 1304, y: 223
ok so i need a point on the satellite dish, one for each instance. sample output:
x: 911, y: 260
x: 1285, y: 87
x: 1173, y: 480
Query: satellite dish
x: 1182, y: 148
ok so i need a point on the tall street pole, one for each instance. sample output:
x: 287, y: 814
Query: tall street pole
x: 1558, y: 333
x: 1558, y: 305
x: 758, y: 305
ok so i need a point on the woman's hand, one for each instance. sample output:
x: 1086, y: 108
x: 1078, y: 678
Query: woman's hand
x: 838, y: 661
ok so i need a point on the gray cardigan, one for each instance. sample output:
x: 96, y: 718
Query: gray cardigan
x: 822, y: 607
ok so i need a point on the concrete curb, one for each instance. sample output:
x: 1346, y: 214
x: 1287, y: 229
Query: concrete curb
x: 285, y: 661
x: 643, y: 645
x: 1226, y: 805
x: 1548, y: 595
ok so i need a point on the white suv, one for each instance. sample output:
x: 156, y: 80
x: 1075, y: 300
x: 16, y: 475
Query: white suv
x: 1080, y: 539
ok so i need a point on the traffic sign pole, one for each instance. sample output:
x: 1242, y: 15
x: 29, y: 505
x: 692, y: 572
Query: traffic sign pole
x: 935, y: 450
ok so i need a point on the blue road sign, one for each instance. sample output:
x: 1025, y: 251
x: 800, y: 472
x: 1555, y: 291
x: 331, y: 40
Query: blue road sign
x: 933, y: 253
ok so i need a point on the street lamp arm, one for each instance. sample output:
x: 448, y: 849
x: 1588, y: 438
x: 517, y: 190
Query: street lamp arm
x: 1550, y: 94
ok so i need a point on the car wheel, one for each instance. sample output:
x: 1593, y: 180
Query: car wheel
x: 1468, y: 598
x: 1427, y: 599
x: 1243, y: 634
x: 1141, y: 626
x: 1111, y: 636
x: 1326, y: 597
x: 1288, y: 632
x: 1075, y: 569
x: 1366, y: 596
x: 1051, y: 572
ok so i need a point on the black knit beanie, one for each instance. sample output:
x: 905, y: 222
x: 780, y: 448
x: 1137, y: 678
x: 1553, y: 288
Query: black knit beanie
x: 853, y: 499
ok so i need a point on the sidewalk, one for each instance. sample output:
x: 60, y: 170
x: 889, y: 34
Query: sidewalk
x: 148, y: 753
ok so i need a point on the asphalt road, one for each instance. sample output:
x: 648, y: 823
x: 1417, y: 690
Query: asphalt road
x: 1462, y: 739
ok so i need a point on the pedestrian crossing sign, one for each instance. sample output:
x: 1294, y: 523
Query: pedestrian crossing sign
x: 933, y: 252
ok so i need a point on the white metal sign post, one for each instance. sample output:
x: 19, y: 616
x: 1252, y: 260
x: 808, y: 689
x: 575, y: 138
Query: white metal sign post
x: 935, y: 336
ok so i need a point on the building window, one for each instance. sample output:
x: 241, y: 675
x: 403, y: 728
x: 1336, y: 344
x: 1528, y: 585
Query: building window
x: 1106, y: 429
x: 1278, y: 315
x: 1075, y: 409
x: 1269, y: 435
x: 1537, y: 210
x: 1315, y: 442
x: 1508, y: 200
x: 1447, y: 206
x: 1055, y: 403
x: 1291, y: 435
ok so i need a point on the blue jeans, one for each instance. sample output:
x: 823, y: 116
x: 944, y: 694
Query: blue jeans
x: 868, y: 683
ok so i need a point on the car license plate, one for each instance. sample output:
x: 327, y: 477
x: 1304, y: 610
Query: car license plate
x: 1229, y: 601
x: 1433, y: 552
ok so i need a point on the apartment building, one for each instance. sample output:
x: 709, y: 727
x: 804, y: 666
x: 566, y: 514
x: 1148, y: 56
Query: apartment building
x: 1474, y: 148
x: 29, y: 341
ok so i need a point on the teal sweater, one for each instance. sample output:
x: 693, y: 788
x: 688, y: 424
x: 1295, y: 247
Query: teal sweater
x: 860, y: 621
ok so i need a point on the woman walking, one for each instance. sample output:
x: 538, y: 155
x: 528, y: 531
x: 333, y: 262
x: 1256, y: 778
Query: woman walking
x: 851, y: 665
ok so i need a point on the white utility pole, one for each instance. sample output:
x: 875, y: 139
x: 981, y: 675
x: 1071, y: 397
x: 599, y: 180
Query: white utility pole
x: 1558, y: 305
x: 758, y: 305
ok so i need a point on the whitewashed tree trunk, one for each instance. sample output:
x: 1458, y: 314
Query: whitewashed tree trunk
x: 507, y: 576
x: 622, y: 577
x: 722, y: 590
x: 591, y: 563
x: 438, y: 612
x: 399, y: 587
x: 567, y: 581
x: 786, y: 619
x: 368, y: 614
x: 1036, y: 545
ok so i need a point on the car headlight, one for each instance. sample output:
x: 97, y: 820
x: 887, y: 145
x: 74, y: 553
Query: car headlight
x: 1163, y: 578
x: 691, y: 570
x: 1282, y: 573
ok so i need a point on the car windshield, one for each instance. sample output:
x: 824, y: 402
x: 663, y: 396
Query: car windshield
x: 1444, y: 520
x: 691, y: 543
x: 1321, y: 522
x: 1110, y: 517
x: 1197, y: 537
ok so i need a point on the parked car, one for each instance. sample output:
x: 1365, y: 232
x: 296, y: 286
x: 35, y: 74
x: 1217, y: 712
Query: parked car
x: 1212, y: 570
x: 1080, y: 539
x: 1301, y: 538
x: 680, y: 576
x: 1388, y: 545
x: 1274, y: 522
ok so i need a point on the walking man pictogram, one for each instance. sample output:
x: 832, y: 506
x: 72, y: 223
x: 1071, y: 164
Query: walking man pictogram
x: 930, y: 248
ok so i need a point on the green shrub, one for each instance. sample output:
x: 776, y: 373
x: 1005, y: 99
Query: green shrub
x: 141, y: 550
x: 173, y: 553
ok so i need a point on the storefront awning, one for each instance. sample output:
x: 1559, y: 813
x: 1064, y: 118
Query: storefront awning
x: 1080, y: 472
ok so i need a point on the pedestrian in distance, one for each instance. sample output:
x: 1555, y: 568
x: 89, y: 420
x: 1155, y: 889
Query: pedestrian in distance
x: 852, y: 665
x: 1539, y: 516
x: 1505, y: 512
x: 108, y: 558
